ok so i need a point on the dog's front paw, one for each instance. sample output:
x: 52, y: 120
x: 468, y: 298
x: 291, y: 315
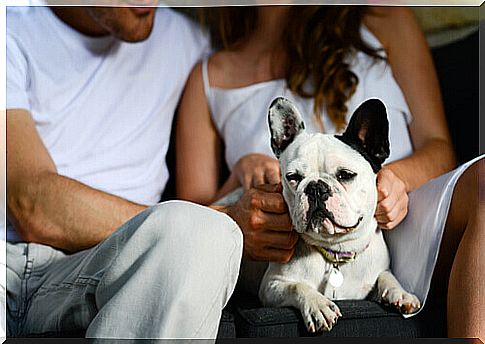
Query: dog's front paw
x: 319, y: 313
x: 405, y: 302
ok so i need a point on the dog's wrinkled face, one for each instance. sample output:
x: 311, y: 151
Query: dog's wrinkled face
x: 329, y: 187
x: 329, y: 182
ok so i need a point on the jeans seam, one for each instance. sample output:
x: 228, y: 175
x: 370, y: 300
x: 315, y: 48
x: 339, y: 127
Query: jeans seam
x: 67, y: 285
x: 23, y: 299
x: 24, y: 288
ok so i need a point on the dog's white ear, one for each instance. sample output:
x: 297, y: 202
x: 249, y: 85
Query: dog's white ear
x: 368, y: 132
x: 285, y: 124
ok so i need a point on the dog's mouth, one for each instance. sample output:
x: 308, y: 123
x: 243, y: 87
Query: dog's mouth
x: 328, y: 223
x: 348, y: 228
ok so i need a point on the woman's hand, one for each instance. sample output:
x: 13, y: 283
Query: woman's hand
x: 392, y: 199
x: 257, y: 169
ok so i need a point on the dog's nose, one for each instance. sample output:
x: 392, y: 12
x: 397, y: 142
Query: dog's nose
x: 317, y: 193
x: 318, y: 190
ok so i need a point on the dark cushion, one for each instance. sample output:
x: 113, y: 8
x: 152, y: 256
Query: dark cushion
x: 361, y: 318
x: 227, y: 328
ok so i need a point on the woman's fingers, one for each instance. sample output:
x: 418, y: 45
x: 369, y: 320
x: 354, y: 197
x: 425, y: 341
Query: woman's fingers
x: 392, y: 199
x: 387, y: 217
x: 246, y: 181
x: 273, y: 176
x: 258, y: 177
x: 256, y: 169
x: 390, y: 214
x: 387, y: 205
x: 269, y: 174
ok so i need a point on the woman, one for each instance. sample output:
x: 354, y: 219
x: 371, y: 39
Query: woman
x: 328, y: 60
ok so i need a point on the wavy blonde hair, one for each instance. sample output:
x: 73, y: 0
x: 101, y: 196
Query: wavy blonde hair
x: 319, y: 40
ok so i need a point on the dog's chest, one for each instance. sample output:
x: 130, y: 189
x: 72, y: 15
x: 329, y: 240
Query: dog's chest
x: 356, y: 284
x: 358, y: 276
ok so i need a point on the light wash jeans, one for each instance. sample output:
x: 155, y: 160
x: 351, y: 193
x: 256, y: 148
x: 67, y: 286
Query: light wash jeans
x: 166, y: 273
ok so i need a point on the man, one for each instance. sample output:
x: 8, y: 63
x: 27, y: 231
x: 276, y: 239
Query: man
x: 91, y: 94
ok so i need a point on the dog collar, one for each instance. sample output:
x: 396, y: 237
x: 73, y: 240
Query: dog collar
x: 337, y: 257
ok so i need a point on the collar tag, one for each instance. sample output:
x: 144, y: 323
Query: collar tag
x: 336, y: 278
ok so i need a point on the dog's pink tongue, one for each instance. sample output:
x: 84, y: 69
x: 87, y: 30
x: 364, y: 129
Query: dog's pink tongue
x: 328, y: 225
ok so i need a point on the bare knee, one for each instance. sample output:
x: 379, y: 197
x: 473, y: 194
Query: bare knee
x: 464, y: 209
x: 468, y: 196
x: 481, y: 183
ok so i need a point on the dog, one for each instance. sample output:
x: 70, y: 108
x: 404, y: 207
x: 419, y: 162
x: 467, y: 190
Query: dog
x: 329, y: 185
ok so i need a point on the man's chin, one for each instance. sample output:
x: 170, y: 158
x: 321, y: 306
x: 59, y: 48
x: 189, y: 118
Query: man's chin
x: 137, y: 34
x: 136, y: 38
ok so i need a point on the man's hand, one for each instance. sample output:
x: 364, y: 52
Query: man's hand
x: 262, y: 215
x: 392, y: 199
x: 256, y: 169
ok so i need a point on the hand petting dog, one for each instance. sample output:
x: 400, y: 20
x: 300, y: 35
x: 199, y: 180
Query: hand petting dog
x: 263, y: 217
x: 253, y: 170
x: 392, y: 199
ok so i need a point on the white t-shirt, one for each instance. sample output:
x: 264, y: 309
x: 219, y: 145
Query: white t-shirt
x: 102, y: 107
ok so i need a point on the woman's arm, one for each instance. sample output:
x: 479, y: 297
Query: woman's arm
x: 198, y: 152
x: 413, y: 69
x: 197, y: 145
x: 260, y: 213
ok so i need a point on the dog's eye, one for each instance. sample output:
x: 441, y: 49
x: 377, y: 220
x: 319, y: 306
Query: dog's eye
x: 293, y: 178
x: 345, y: 175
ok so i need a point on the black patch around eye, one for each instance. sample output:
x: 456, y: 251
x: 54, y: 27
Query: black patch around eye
x: 294, y: 177
x: 344, y: 175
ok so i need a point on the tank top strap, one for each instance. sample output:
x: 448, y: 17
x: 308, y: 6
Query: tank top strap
x: 205, y: 77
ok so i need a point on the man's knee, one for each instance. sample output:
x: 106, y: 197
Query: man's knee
x: 182, y: 223
x: 182, y: 240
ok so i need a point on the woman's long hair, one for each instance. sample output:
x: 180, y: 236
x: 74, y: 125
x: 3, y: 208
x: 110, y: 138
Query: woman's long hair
x: 318, y: 42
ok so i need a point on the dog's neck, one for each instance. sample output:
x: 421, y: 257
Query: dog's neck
x: 339, y: 257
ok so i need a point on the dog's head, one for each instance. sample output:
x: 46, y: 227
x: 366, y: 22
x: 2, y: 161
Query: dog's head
x: 329, y: 181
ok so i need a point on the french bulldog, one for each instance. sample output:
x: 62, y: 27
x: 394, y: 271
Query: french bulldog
x: 329, y: 185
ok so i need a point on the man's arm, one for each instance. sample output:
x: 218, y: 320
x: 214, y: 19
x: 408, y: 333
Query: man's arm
x: 51, y: 209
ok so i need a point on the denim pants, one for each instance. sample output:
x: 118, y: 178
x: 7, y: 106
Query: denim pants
x: 166, y: 273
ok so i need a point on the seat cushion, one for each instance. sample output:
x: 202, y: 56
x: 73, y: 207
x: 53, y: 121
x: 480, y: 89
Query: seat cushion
x: 361, y: 318
x: 227, y: 328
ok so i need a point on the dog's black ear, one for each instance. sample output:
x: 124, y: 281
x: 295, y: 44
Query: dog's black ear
x: 368, y: 132
x: 285, y: 123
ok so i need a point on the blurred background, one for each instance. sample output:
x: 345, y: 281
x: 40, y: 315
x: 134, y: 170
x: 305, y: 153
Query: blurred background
x: 443, y: 25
